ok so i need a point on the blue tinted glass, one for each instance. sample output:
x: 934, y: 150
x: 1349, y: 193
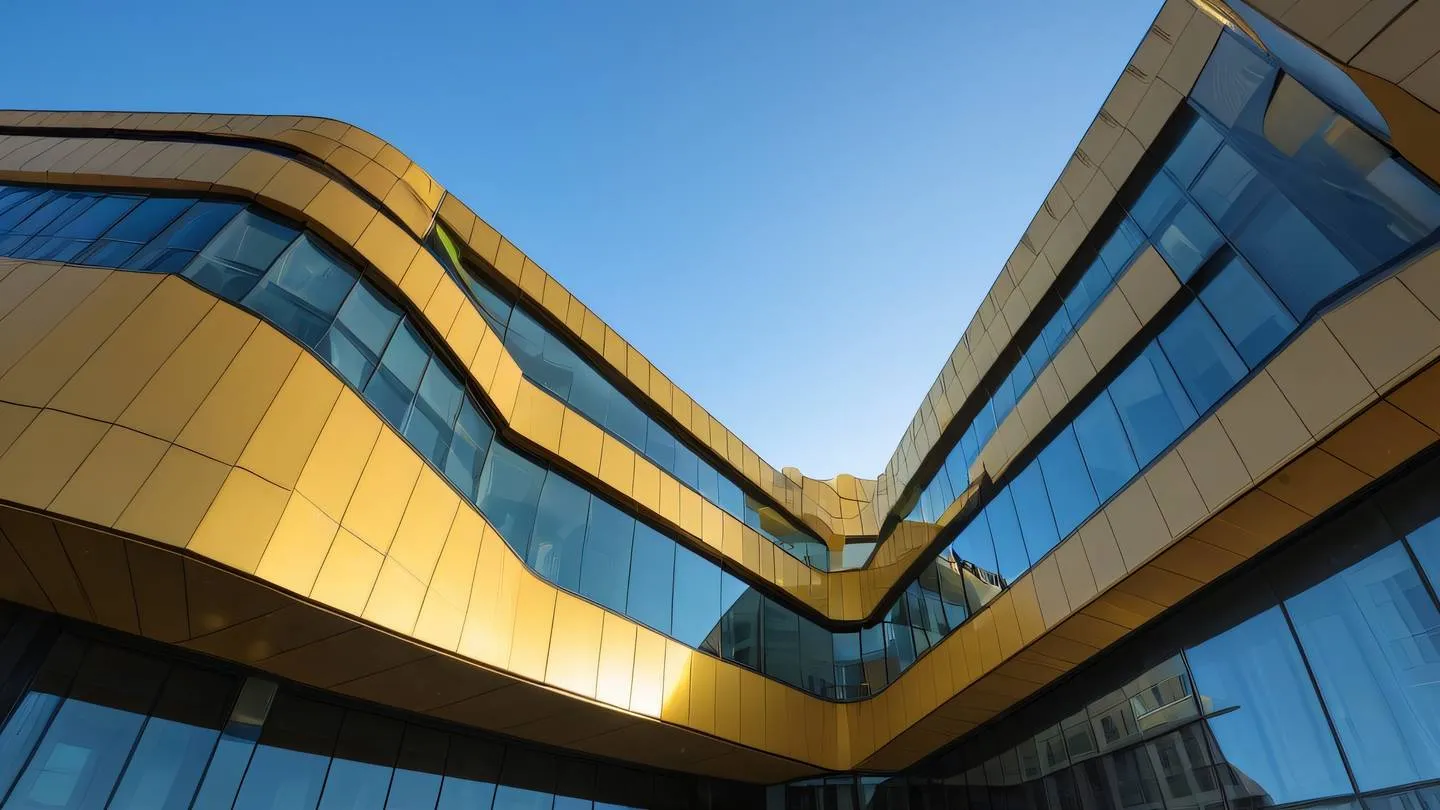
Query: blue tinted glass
x: 1032, y: 504
x: 509, y: 494
x: 984, y: 424
x: 781, y: 635
x: 687, y: 465
x: 973, y: 546
x: 99, y: 217
x: 559, y: 537
x: 732, y: 499
x: 466, y: 454
x: 1274, y: 732
x: 472, y: 768
x: 432, y: 418
x: 232, y: 263
x: 24, y: 207
x: 508, y: 797
x: 79, y: 758
x: 1103, y: 444
x: 1229, y: 189
x: 21, y: 731
x: 1153, y: 407
x: 817, y: 659
x: 363, y: 764
x: 1010, y: 555
x: 740, y: 627
x: 1370, y: 633
x: 393, y: 385
x: 1252, y: 317
x: 627, y: 422
x: 1187, y: 241
x: 199, y: 224
x: 1066, y: 480
x: 709, y: 483
x: 302, y: 291
x: 417, y: 772
x: 1156, y: 203
x: 1056, y: 331
x: 1121, y: 247
x: 660, y: 448
x: 1088, y: 291
x: 697, y: 598
x: 849, y: 675
x: 223, y: 774
x: 1425, y: 542
x: 1202, y: 358
x: 495, y: 307
x: 590, y: 394
x: 149, y: 218
x: 957, y: 472
x: 1293, y: 257
x: 954, y: 585
x: 11, y: 197
x: 166, y: 765
x: 1231, y: 79
x: 363, y: 327
x: 606, y: 569
x: 1193, y: 151
x: 46, y: 212
x: 289, y: 765
x: 1003, y: 401
x: 652, y: 574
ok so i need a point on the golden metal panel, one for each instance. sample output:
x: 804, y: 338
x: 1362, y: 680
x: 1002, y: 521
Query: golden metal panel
x: 455, y: 570
x: 1385, y: 330
x: 1159, y: 586
x: 110, y: 476
x: 42, y: 459
x: 702, y: 700
x: 647, y: 682
x: 27, y: 277
x: 101, y: 567
x: 1213, y: 464
x: 490, y: 617
x: 158, y: 581
x: 574, y: 658
x: 987, y: 637
x: 534, y: 615
x: 333, y: 469
x: 14, y: 419
x: 1176, y: 494
x: 239, y: 523
x: 669, y: 499
x: 395, y: 601
x: 425, y: 525
x: 440, y: 622
x: 385, y: 485
x: 175, y: 391
x: 1315, y: 481
x: 115, y: 373
x: 336, y: 209
x: 174, y: 499
x: 1138, y: 525
x: 1075, y: 571
x: 390, y: 249
x: 752, y: 708
x: 1007, y: 626
x: 1379, y: 439
x: 780, y: 729
x: 227, y: 417
x: 1263, y: 427
x: 55, y: 358
x: 580, y: 444
x: 348, y: 574
x: 675, y: 690
x: 1319, y: 379
x: 617, y: 661
x: 34, y: 539
x: 298, y: 548
x: 281, y: 443
x: 1198, y: 560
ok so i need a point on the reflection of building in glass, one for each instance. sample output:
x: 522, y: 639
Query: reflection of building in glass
x: 316, y: 492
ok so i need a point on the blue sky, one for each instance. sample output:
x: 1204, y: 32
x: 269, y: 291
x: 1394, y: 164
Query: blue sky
x: 793, y: 208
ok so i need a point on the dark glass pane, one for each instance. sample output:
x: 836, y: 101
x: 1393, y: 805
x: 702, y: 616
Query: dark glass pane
x: 432, y: 419
x: 1252, y: 317
x: 509, y: 494
x: 302, y: 291
x: 22, y: 730
x: 1193, y: 151
x: 1371, y: 633
x: 362, y: 328
x: 687, y: 465
x: 98, y: 218
x: 1010, y: 552
x: 1088, y: 291
x: 605, y: 572
x: 237, y: 744
x: 418, y: 770
x: 466, y: 455
x: 590, y: 394
x: 540, y: 356
x: 731, y: 499
x: 740, y: 626
x: 559, y: 537
x: 1155, y: 204
x: 1232, y: 77
x: 817, y: 659
x: 148, y: 219
x: 1103, y: 444
x: 394, y: 384
x: 22, y: 204
x: 1153, y: 407
x: 781, y: 634
x: 1187, y: 241
x: 175, y: 747
x: 289, y: 765
x: 231, y: 264
x: 359, y: 775
x: 1122, y: 246
x: 1203, y: 359
x: 697, y: 598
x: 1293, y: 257
x: 660, y: 448
x: 627, y: 422
x: 471, y: 771
x: 652, y: 576
x: 1037, y: 518
x: 1274, y: 732
x: 495, y: 307
x: 976, y: 564
x: 1228, y: 189
x: 1071, y: 494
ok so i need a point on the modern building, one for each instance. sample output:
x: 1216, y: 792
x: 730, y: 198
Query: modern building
x: 316, y: 492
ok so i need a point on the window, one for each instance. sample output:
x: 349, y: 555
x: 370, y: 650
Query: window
x: 288, y: 769
x: 973, y: 548
x: 232, y: 263
x: 431, y: 421
x: 1231, y: 79
x: 171, y: 251
x: 1032, y: 504
x: 1274, y: 732
x: 165, y: 768
x: 740, y: 625
x: 76, y: 235
x: 1103, y: 444
x: 1068, y: 483
x: 1203, y: 359
x: 303, y: 291
x: 1122, y: 246
x: 354, y: 343
x: 472, y: 767
x: 605, y: 573
x: 1010, y: 554
x: 1193, y: 151
x: 394, y: 384
x: 1291, y: 254
x: 781, y: 635
x: 364, y: 760
x: 1187, y: 241
x: 417, y: 770
x: 652, y: 576
x: 1225, y: 183
x: 509, y: 493
x: 1371, y: 633
x: 1252, y: 317
x: 1156, y: 203
x: 1152, y: 406
x: 559, y: 538
x: 466, y: 455
x: 627, y: 422
x: 697, y: 598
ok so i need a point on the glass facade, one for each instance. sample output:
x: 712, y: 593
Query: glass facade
x: 95, y: 723
x: 1308, y: 681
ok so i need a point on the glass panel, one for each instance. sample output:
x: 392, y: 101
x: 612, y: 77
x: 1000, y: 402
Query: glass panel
x: 1156, y: 202
x: 1252, y: 317
x: 740, y: 625
x: 237, y: 743
x: 1226, y: 181
x: 288, y: 769
x: 22, y: 729
x: 559, y: 537
x: 359, y: 775
x: 1263, y: 711
x: 1291, y: 254
x: 1005, y: 530
x: 1202, y: 358
x: 416, y: 783
x: 394, y: 384
x: 1152, y: 406
x: 652, y: 574
x: 1122, y: 246
x: 1187, y: 241
x: 432, y: 418
x: 781, y: 635
x: 817, y: 659
x: 167, y: 763
x: 1371, y: 634
x: 1032, y: 504
x: 1232, y: 77
x: 1068, y: 483
x: 232, y: 263
x: 590, y: 394
x: 303, y: 291
x: 139, y: 226
x: 1107, y: 452
x: 697, y: 597
x: 1193, y: 151
x: 363, y: 327
x: 606, y: 569
x: 626, y: 422
x: 471, y: 771
x: 975, y: 562
x: 509, y: 493
x: 466, y: 454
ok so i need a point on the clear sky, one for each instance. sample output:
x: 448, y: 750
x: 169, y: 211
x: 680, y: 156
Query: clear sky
x: 793, y: 207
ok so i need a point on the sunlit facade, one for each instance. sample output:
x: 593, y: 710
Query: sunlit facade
x: 316, y: 492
